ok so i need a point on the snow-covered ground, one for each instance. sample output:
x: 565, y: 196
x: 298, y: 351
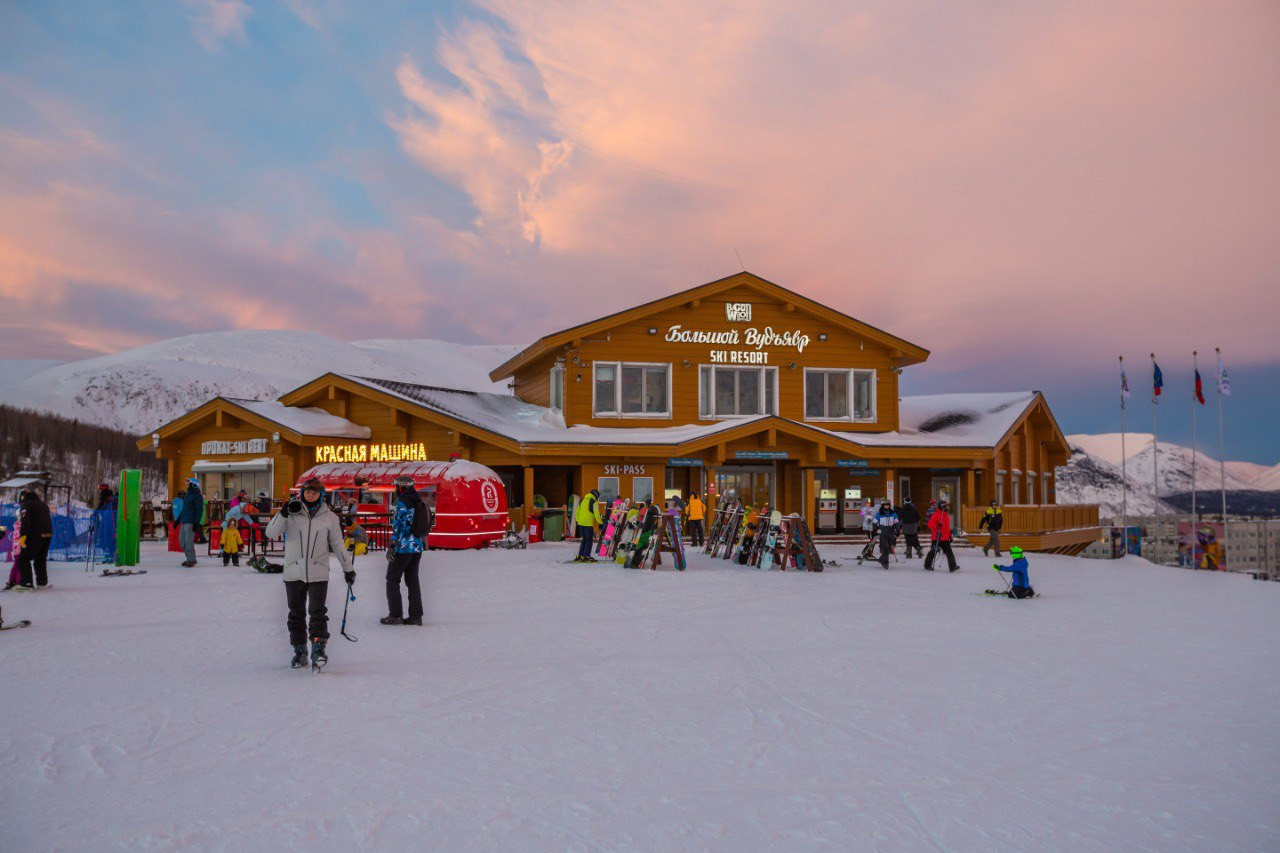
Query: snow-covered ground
x: 548, y: 706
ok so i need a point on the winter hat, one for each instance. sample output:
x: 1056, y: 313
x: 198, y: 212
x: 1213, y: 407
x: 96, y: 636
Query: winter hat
x: 404, y: 481
x: 906, y: 500
x: 192, y: 481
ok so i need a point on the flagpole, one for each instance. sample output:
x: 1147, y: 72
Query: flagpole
x: 1155, y: 457
x: 1222, y: 457
x: 1195, y: 366
x: 1124, y: 477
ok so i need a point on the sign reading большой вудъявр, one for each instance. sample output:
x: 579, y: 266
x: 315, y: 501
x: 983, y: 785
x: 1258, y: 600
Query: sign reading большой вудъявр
x: 756, y: 339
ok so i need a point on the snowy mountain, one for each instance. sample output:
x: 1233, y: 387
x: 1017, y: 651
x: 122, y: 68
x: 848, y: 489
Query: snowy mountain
x: 1093, y: 475
x: 139, y: 389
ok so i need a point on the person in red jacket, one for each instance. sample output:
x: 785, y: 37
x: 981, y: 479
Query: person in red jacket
x: 940, y: 529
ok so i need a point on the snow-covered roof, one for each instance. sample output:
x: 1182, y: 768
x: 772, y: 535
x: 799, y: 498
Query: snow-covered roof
x: 530, y: 424
x: 952, y: 420
x: 938, y: 420
x: 309, y: 421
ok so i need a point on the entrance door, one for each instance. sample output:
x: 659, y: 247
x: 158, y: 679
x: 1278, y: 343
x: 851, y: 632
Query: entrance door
x: 948, y: 489
x: 753, y: 484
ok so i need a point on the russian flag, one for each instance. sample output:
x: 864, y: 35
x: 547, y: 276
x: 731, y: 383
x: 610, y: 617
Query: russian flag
x: 1199, y: 389
x: 1157, y: 379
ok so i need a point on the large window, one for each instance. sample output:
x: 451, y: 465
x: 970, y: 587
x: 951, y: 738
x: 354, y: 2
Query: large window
x: 839, y: 395
x: 735, y: 392
x: 632, y: 390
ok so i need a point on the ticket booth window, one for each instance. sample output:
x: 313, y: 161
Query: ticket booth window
x: 641, y: 489
x: 608, y: 487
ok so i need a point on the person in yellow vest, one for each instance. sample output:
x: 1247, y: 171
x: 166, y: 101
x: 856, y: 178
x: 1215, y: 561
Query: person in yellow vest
x: 231, y: 543
x: 588, y: 519
x: 697, y: 511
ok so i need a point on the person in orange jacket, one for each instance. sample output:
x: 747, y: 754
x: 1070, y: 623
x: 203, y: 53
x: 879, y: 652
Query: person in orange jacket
x: 697, y: 511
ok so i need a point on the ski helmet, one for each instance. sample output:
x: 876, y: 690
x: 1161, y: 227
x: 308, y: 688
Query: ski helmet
x: 1015, y: 552
x: 403, y: 482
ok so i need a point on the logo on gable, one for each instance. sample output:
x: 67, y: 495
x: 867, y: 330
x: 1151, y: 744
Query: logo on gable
x: 737, y: 312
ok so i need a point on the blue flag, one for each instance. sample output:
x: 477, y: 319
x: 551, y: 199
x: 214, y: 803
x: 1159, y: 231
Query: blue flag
x: 1157, y: 379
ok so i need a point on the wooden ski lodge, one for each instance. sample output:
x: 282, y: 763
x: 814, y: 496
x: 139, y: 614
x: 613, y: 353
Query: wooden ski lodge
x: 739, y: 385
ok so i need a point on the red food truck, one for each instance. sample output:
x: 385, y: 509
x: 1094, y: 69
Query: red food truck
x: 469, y: 500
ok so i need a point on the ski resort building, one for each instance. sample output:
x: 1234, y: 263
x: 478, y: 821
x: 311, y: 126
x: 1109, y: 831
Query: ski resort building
x: 738, y: 385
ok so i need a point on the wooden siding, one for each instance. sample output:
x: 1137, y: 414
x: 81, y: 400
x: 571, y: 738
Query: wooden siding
x: 632, y: 343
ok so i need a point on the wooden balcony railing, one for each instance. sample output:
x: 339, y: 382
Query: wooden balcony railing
x: 1035, y: 519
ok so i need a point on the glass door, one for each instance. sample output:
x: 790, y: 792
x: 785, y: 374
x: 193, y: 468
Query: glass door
x: 948, y: 489
x: 754, y: 485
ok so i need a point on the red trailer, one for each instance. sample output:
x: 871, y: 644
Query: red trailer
x: 469, y: 499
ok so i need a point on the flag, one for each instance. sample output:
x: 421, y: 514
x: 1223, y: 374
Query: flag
x: 1157, y: 379
x: 1199, y: 389
x: 1224, y: 384
x: 1124, y: 387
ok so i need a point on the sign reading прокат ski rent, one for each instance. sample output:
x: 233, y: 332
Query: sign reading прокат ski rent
x: 249, y: 445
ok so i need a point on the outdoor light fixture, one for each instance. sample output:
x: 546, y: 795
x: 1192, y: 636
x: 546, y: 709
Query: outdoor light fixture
x: 155, y: 439
x: 275, y: 436
x: 792, y: 365
x: 579, y: 379
x: 822, y: 337
x: 652, y: 330
x: 686, y: 362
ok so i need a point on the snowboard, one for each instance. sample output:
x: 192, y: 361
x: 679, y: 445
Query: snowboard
x: 617, y: 512
x: 765, y: 559
x: 646, y: 538
x: 677, y: 544
x: 627, y: 540
x: 571, y: 528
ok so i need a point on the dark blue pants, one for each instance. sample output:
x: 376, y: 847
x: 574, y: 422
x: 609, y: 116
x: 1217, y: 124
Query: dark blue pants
x: 588, y: 534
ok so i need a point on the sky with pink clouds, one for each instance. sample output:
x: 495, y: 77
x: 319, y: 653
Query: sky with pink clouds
x: 1027, y: 189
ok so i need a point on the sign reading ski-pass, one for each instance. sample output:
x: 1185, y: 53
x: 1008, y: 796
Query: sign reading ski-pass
x: 737, y: 312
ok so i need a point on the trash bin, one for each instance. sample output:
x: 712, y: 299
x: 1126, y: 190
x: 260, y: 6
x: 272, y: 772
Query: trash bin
x: 553, y: 525
x: 535, y: 528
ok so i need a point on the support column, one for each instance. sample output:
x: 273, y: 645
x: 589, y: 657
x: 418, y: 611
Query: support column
x: 970, y: 489
x: 891, y: 487
x: 528, y: 490
x: 810, y: 498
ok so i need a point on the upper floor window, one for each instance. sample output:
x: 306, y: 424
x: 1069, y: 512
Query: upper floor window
x: 632, y: 390
x: 557, y: 387
x: 732, y: 392
x: 839, y: 395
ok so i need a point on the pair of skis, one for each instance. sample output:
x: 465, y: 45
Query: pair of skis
x: 613, y: 522
x: 12, y: 626
x: 120, y: 573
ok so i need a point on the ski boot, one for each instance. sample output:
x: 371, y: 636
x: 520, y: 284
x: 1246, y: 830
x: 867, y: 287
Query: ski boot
x: 299, y: 656
x: 318, y: 657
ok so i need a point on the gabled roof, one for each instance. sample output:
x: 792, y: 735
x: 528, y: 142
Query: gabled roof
x: 906, y: 352
x: 292, y: 422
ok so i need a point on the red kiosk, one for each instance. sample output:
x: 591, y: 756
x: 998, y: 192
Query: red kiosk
x: 469, y: 499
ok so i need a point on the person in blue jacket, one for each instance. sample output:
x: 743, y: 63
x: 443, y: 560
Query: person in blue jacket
x: 1021, y: 587
x: 189, y: 521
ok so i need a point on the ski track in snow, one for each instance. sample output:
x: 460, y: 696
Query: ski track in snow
x: 563, y: 707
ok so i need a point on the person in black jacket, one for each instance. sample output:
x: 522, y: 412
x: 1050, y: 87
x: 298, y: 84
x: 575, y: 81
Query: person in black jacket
x: 993, y: 520
x: 910, y: 518
x: 36, y: 533
x: 106, y: 498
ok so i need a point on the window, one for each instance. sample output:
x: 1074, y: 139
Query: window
x: 734, y: 392
x: 608, y: 488
x: 632, y: 390
x: 839, y: 395
x: 641, y: 489
x: 557, y: 387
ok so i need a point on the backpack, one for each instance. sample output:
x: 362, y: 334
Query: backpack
x: 421, y: 524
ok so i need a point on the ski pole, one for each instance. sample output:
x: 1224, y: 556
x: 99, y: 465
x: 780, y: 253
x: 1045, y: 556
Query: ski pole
x: 1008, y: 586
x: 351, y: 596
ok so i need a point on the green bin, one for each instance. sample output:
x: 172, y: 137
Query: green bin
x: 553, y: 525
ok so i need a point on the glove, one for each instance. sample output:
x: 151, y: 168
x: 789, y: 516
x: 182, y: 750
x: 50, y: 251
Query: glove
x: 994, y: 567
x: 284, y: 510
x: 350, y: 577
x: 22, y: 541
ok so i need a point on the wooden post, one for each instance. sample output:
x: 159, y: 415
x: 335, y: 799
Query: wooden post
x: 810, y: 501
x: 969, y: 489
x: 528, y: 492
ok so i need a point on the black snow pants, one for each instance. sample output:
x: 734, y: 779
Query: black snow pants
x: 307, y: 599
x: 695, y: 533
x: 404, y: 566
x: 34, y: 556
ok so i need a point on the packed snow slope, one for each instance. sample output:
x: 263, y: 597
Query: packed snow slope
x: 551, y: 706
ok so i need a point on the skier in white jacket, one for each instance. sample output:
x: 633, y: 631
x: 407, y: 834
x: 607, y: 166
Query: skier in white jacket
x: 312, y: 534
